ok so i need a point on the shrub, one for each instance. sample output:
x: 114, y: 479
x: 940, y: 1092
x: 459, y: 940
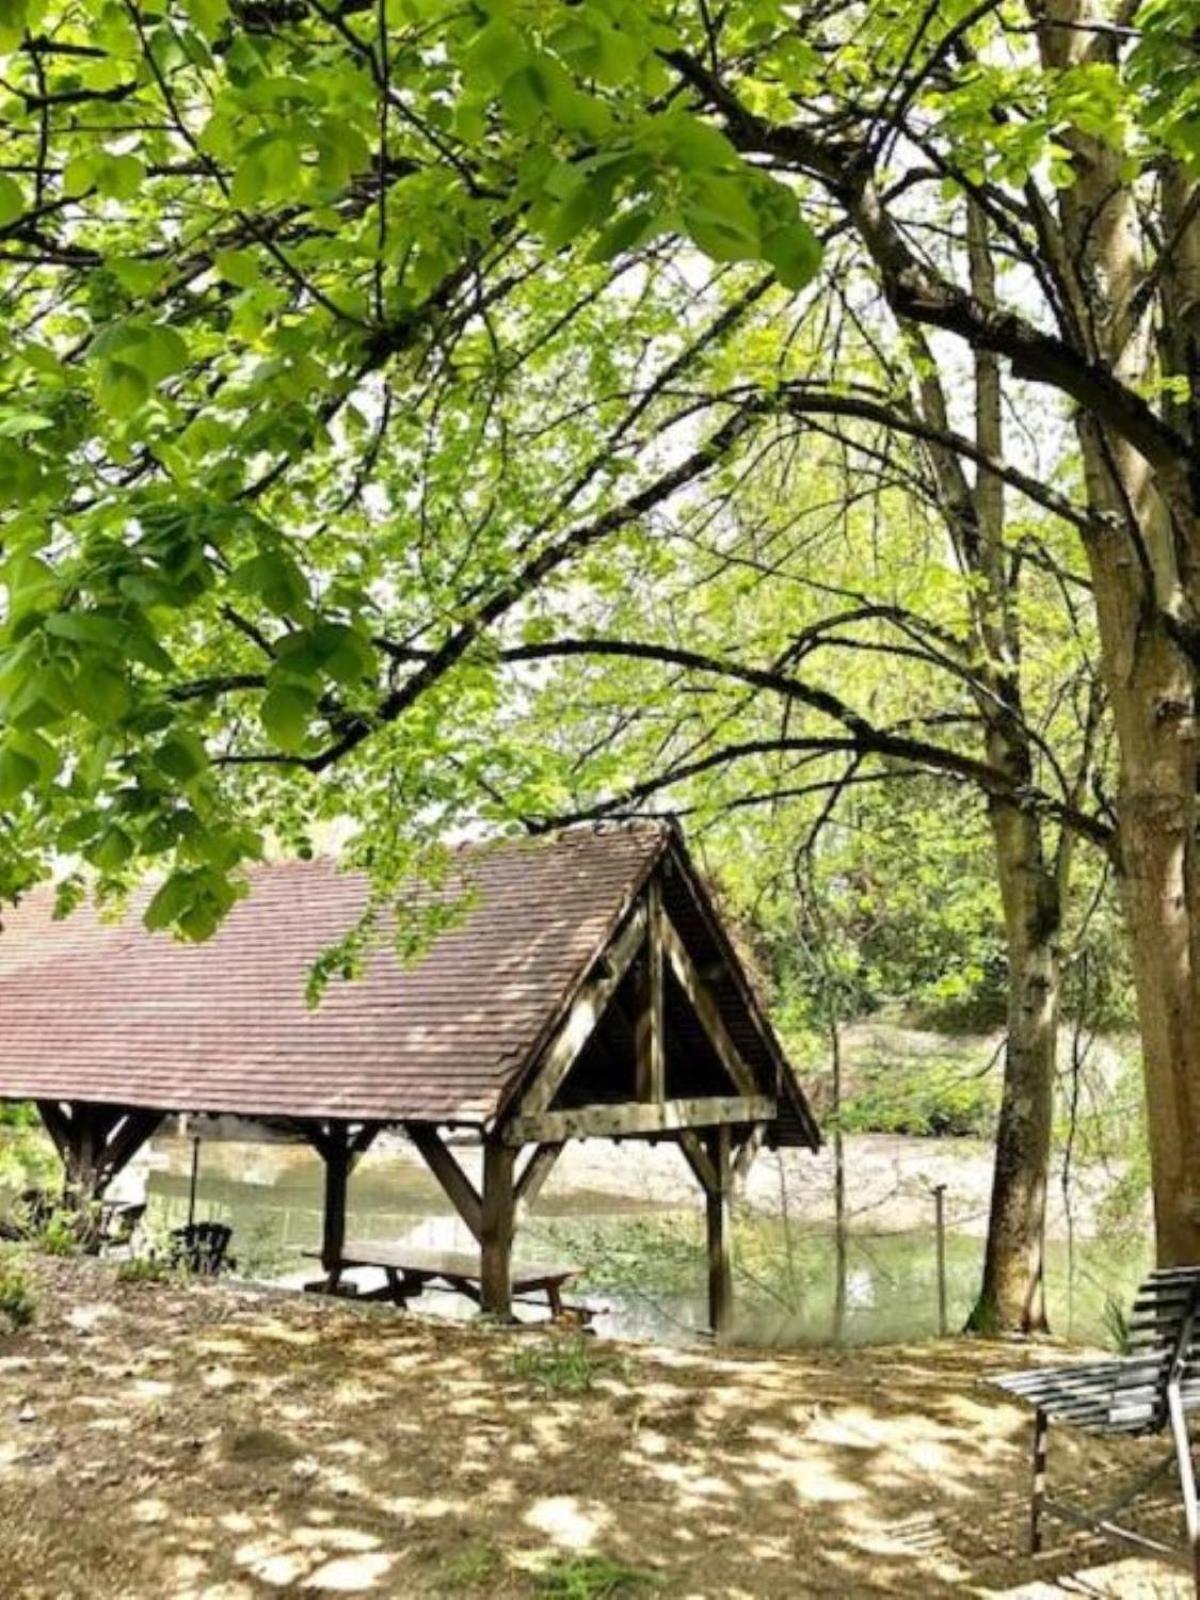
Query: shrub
x: 17, y: 1301
x: 151, y: 1268
x: 558, y: 1365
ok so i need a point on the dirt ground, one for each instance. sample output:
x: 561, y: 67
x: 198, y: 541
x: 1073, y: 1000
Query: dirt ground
x: 166, y: 1442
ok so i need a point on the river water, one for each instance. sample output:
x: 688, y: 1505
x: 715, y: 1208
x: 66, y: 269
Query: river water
x: 641, y: 1248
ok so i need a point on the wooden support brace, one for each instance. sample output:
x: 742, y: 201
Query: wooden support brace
x: 697, y: 1158
x: 536, y: 1170
x: 458, y: 1188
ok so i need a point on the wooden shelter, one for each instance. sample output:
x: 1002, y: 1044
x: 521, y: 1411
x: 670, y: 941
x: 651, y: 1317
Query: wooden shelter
x: 585, y: 988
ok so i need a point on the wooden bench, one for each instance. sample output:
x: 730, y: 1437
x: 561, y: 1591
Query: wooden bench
x: 1148, y: 1391
x: 409, y: 1272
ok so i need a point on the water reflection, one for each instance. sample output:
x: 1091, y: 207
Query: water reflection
x: 643, y: 1257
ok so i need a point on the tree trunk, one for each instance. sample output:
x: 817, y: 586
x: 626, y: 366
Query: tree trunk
x: 1147, y: 592
x: 1012, y: 1296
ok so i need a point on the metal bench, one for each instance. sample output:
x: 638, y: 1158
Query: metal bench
x: 202, y: 1248
x: 408, y: 1272
x: 1148, y: 1391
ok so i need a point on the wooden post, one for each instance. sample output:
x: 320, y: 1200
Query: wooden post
x: 649, y: 1030
x: 335, y: 1147
x: 939, y: 1221
x: 720, y: 1234
x: 499, y: 1207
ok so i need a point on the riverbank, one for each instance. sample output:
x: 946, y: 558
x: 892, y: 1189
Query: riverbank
x: 209, y: 1442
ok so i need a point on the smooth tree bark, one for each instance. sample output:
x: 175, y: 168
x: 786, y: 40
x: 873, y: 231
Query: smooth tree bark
x: 1143, y: 568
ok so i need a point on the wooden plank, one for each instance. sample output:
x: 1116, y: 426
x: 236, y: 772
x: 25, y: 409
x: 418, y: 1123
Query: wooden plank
x: 536, y: 1170
x: 631, y: 1120
x: 496, y: 1234
x: 720, y: 1234
x: 457, y: 1187
x: 650, y: 1027
x: 705, y: 1008
x: 560, y: 1054
x: 697, y: 1158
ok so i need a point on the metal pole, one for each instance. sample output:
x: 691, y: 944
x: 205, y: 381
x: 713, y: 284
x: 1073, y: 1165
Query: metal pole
x: 195, y: 1176
x: 939, y: 1211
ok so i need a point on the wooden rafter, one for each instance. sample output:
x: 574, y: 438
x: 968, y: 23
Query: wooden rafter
x: 586, y: 1011
x: 650, y: 1028
x: 706, y: 1008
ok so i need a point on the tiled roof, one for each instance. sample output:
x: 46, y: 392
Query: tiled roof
x: 101, y: 1011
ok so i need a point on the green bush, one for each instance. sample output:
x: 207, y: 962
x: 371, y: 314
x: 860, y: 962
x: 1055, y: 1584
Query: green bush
x: 17, y: 1300
x: 151, y: 1268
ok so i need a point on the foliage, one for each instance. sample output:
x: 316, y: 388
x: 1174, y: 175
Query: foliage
x: 63, y: 1231
x: 147, y: 1267
x: 18, y: 1303
x: 591, y: 1577
x: 560, y: 1364
x: 1116, y: 1324
x: 940, y: 1094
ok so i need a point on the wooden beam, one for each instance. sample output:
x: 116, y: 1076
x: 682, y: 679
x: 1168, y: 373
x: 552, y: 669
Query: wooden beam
x: 720, y: 1234
x: 650, y: 1031
x: 336, y: 1152
x: 631, y: 1119
x: 57, y: 1122
x: 697, y: 1158
x: 126, y: 1140
x: 457, y: 1187
x: 535, y: 1172
x: 706, y: 1009
x: 750, y: 1146
x: 586, y: 1011
x: 496, y: 1234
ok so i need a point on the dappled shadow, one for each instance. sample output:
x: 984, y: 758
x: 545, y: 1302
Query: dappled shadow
x: 206, y: 1441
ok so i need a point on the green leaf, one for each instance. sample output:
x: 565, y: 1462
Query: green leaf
x: 795, y: 252
x: 17, y: 773
x: 276, y: 579
x: 286, y: 711
x: 101, y: 692
x: 12, y: 200
x: 182, y: 756
x: 239, y: 267
x: 112, y: 850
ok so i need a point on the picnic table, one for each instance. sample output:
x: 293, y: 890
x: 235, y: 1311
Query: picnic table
x: 409, y: 1272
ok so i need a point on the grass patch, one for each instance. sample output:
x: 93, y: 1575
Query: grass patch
x: 471, y: 1568
x: 592, y: 1577
x: 18, y: 1304
x: 147, y: 1269
x: 560, y: 1365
